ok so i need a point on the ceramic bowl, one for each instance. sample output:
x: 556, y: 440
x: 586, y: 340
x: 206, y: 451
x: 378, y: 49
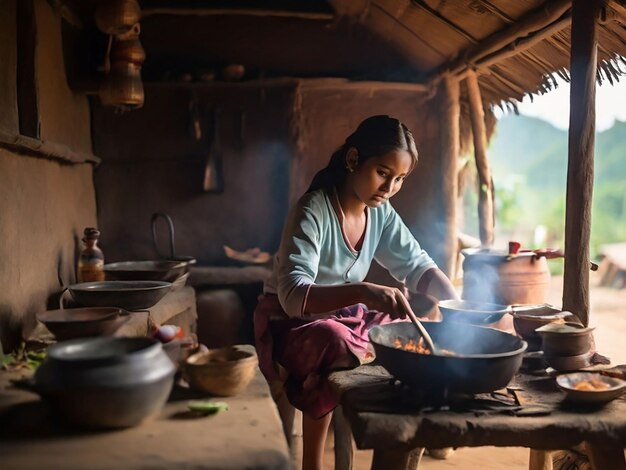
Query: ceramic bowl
x: 590, y: 387
x: 223, y: 372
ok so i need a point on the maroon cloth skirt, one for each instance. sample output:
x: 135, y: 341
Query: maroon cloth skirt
x: 309, y: 349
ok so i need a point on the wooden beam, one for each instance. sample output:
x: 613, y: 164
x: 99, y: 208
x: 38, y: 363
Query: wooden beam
x: 583, y: 67
x: 51, y: 150
x: 486, y: 220
x: 236, y: 12
x: 449, y: 142
x: 532, y: 22
x: 520, y: 45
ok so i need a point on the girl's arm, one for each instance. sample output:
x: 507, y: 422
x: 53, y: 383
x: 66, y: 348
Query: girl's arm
x: 391, y: 300
x: 436, y: 284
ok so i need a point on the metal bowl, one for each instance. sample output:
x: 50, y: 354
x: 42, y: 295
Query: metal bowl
x: 474, y: 313
x: 80, y: 322
x: 129, y: 295
x: 484, y: 359
x: 145, y: 270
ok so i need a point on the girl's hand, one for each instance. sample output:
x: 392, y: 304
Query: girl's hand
x: 390, y: 300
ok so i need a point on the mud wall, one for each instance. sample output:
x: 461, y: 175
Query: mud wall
x: 44, y: 203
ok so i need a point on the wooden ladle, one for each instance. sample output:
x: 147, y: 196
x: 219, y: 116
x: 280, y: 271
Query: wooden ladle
x: 427, y: 339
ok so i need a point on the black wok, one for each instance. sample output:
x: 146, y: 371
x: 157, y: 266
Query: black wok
x: 485, y: 359
x: 129, y: 295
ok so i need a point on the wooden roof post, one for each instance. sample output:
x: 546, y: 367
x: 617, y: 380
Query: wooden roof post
x: 449, y: 142
x: 485, y: 184
x: 583, y: 64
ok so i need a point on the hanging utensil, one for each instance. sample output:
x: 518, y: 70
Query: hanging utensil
x: 172, y: 254
x: 213, y: 181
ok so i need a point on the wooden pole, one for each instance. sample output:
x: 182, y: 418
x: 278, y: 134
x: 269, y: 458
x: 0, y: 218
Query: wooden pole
x: 486, y: 220
x: 583, y: 65
x: 445, y: 220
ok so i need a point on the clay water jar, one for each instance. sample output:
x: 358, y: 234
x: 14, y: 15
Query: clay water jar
x: 494, y: 276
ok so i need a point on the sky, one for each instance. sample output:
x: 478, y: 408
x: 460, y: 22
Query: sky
x: 554, y: 105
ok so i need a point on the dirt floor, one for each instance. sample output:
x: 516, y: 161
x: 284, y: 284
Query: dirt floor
x: 608, y: 315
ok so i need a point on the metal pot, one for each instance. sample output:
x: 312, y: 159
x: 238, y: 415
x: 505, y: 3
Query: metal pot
x: 484, y: 359
x: 129, y: 295
x: 105, y: 382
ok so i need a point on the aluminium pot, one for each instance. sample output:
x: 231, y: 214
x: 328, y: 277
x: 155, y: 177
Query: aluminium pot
x: 484, y: 359
x: 105, y: 382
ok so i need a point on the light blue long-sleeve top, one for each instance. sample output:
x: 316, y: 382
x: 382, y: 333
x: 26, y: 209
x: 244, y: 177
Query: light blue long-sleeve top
x: 313, y: 251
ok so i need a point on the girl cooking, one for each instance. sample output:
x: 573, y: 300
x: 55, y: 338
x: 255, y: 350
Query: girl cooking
x: 316, y: 309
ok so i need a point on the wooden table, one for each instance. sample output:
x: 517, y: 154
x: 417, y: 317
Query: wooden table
x: 386, y: 417
x: 248, y: 435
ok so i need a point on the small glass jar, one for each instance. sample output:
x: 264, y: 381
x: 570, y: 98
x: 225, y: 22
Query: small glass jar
x: 91, y: 259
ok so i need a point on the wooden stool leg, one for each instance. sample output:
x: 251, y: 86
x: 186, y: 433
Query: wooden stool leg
x: 415, y: 457
x: 344, y: 450
x: 540, y: 460
x: 390, y: 459
x: 603, y: 457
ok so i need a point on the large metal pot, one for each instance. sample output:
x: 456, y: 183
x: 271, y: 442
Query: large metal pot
x: 484, y: 359
x: 105, y: 382
x: 129, y: 295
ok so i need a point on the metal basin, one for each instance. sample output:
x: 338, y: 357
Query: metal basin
x: 474, y: 313
x: 484, y: 359
x: 80, y: 322
x: 129, y: 295
x: 160, y: 270
x: 105, y: 382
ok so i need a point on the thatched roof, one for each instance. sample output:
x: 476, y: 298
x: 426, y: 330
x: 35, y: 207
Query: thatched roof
x: 517, y: 46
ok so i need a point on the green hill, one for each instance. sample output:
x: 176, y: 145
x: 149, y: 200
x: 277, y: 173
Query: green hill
x: 529, y: 164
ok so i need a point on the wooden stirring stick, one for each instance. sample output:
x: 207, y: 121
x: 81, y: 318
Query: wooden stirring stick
x: 427, y: 339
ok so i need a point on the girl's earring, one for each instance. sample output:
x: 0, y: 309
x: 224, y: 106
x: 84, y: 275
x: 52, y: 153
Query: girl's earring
x: 349, y: 168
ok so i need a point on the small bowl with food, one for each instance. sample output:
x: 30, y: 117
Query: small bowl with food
x: 590, y: 387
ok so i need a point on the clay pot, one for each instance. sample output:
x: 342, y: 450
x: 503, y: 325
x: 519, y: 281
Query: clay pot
x: 496, y: 277
x: 105, y: 382
x: 526, y: 319
x: 565, y: 339
x: 128, y: 50
x: 122, y: 86
x: 117, y: 16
